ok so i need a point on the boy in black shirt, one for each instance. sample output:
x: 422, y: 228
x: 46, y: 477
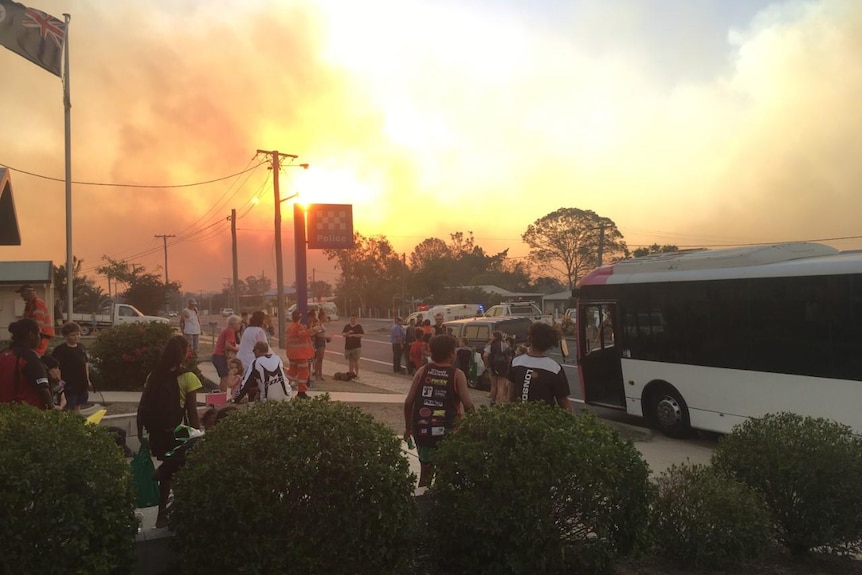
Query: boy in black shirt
x: 534, y: 376
x: 74, y: 367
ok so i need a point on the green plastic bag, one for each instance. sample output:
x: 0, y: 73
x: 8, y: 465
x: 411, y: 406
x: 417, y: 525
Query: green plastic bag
x: 146, y: 488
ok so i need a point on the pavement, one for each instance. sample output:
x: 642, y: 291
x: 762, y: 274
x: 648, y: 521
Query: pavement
x: 659, y: 452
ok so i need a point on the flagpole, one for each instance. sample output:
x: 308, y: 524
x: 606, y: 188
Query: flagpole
x: 67, y: 105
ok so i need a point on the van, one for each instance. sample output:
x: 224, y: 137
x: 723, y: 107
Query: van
x: 449, y: 312
x: 329, y: 308
x: 478, y: 330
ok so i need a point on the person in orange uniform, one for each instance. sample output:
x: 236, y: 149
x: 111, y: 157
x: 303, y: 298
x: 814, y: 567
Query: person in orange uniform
x: 299, y: 350
x: 36, y: 310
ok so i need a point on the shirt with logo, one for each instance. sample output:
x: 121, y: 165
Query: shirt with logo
x: 538, y: 379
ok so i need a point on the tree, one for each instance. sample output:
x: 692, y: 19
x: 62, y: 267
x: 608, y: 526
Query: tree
x: 569, y: 241
x: 144, y: 290
x: 437, y: 266
x: 654, y: 249
x: 88, y: 297
x: 319, y: 289
x: 258, y: 285
x: 370, y: 272
x: 548, y: 285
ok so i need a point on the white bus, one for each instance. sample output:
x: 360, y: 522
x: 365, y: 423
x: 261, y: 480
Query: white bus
x: 707, y: 338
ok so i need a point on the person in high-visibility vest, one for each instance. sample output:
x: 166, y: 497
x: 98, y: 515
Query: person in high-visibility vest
x: 35, y: 309
x: 299, y: 350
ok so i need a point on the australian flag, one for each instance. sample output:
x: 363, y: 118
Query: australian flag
x: 33, y: 34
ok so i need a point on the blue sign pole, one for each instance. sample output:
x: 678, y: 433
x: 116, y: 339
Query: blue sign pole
x: 301, y: 265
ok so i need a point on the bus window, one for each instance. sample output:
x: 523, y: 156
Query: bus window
x: 599, y: 327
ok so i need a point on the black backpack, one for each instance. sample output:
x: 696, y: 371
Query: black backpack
x: 501, y: 358
x: 160, y: 411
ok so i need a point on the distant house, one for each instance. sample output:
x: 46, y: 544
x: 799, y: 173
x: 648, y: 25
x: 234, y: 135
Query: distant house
x: 506, y: 295
x: 557, y: 303
x: 39, y: 274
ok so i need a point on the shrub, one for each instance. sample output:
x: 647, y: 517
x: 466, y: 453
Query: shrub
x: 809, y: 472
x: 703, y: 518
x: 124, y: 355
x: 67, y: 500
x: 527, y: 488
x: 300, y: 487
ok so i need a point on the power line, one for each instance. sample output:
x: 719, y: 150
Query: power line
x: 114, y: 185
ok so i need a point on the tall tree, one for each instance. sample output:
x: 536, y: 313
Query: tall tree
x: 654, y: 249
x: 88, y: 296
x: 370, y: 272
x: 144, y: 290
x: 568, y: 242
x: 258, y: 285
x: 437, y: 266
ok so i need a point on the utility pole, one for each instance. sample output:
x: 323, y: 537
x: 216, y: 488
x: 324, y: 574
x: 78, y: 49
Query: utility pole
x: 403, y: 307
x: 235, y: 262
x: 279, y: 265
x: 601, y: 241
x: 165, y: 242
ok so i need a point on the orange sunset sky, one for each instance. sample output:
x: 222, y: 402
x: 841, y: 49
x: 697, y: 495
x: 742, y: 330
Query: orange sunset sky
x: 707, y: 123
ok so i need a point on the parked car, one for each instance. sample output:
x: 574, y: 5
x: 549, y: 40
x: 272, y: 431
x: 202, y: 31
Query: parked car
x: 519, y: 308
x: 227, y: 312
x: 449, y: 312
x: 111, y: 315
x: 478, y: 331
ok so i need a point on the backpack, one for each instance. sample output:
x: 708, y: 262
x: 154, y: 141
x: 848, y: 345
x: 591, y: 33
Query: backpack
x: 160, y: 412
x: 273, y: 384
x: 500, y: 360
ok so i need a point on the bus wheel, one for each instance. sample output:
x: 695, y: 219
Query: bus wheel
x: 669, y: 412
x: 86, y: 329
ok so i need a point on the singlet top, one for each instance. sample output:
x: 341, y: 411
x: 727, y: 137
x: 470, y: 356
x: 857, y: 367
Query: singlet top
x: 435, y: 407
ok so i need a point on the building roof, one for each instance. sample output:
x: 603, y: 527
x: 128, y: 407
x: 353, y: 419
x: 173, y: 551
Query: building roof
x: 492, y: 289
x: 10, y: 235
x: 559, y: 296
x: 35, y: 272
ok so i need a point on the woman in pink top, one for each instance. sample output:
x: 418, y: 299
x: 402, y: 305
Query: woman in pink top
x: 226, y: 345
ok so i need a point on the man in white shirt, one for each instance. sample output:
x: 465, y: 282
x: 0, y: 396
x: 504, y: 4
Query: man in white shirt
x: 190, y: 325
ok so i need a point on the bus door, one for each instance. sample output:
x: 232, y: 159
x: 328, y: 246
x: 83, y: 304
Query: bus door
x: 599, y: 356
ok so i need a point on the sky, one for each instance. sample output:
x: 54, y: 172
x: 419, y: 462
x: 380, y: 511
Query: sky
x: 698, y: 123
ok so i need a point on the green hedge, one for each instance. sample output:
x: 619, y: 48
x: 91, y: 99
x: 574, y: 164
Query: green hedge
x: 67, y: 500
x: 124, y: 355
x: 301, y: 487
x: 703, y: 519
x: 529, y: 488
x: 809, y: 472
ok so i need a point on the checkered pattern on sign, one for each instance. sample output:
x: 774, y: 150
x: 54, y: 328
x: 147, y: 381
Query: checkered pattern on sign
x: 332, y: 220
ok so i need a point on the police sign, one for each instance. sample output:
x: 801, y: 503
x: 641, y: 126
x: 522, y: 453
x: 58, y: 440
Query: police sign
x: 330, y: 226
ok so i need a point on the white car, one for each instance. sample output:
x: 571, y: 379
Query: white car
x: 227, y: 312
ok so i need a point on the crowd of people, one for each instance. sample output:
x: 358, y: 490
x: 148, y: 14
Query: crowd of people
x: 248, y: 370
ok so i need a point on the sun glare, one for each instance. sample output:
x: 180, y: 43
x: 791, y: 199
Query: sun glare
x: 323, y: 185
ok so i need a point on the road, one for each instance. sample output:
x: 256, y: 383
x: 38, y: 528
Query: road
x: 377, y: 357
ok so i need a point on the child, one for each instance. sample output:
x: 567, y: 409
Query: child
x: 234, y: 376
x: 433, y: 404
x: 74, y: 367
x: 417, y: 351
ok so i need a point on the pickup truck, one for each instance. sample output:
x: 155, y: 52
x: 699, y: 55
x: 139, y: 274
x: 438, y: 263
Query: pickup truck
x: 115, y: 314
x: 519, y: 309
